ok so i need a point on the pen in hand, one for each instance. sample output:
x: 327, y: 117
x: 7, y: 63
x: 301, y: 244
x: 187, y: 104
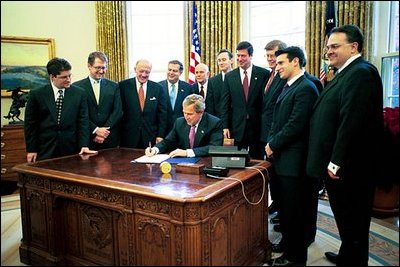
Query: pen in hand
x: 149, y: 151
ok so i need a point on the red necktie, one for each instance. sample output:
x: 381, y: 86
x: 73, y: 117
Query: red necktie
x: 192, y: 134
x: 202, y: 91
x: 246, y: 85
x: 271, y: 78
x: 141, y: 97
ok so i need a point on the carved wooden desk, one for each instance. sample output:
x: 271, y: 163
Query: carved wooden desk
x: 104, y: 210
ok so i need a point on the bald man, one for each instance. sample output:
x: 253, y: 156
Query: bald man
x: 143, y: 121
x: 205, y: 89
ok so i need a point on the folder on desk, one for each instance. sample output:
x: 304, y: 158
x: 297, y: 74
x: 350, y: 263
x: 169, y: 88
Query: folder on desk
x: 182, y: 160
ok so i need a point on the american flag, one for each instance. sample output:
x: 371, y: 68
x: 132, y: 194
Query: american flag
x: 330, y: 23
x: 195, y: 47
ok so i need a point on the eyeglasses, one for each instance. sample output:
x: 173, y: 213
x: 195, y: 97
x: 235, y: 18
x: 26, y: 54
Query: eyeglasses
x: 334, y: 47
x: 99, y: 67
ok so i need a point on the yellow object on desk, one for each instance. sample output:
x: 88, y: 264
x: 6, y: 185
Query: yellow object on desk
x: 165, y: 167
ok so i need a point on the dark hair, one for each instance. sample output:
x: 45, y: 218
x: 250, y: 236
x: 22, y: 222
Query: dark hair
x: 353, y: 34
x: 230, y: 55
x: 97, y: 54
x: 177, y: 62
x: 245, y: 45
x: 293, y: 52
x: 56, y: 65
x: 275, y: 43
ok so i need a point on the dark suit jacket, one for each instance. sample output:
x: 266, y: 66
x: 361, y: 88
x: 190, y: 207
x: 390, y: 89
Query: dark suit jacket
x: 184, y: 89
x: 315, y: 81
x: 217, y: 85
x: 289, y: 131
x: 107, y: 113
x: 346, y: 124
x: 138, y: 126
x: 211, y: 98
x: 209, y: 133
x: 268, y: 106
x: 43, y: 135
x: 235, y: 109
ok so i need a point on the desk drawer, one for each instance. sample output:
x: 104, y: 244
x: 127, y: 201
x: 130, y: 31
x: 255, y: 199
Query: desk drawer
x: 16, y: 156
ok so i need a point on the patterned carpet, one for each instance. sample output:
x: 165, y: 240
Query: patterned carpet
x: 384, y: 242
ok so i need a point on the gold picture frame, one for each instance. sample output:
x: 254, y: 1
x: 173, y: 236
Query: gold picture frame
x: 23, y: 62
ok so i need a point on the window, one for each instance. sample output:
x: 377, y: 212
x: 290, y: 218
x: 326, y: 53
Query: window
x: 387, y: 49
x: 155, y: 32
x: 262, y: 22
x: 390, y: 80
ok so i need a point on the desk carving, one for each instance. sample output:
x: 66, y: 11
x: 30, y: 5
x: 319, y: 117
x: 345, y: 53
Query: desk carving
x: 128, y: 216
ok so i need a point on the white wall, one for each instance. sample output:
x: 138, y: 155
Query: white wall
x: 71, y: 24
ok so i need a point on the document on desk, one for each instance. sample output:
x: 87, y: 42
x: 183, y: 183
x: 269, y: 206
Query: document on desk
x: 154, y: 159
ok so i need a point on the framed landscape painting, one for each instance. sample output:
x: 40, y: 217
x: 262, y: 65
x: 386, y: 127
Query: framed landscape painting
x: 23, y: 63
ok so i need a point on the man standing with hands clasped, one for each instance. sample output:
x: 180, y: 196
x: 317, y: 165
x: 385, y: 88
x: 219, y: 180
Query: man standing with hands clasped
x: 345, y: 134
x: 104, y: 103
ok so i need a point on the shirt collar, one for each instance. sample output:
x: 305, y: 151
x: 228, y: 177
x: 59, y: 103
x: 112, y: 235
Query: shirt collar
x: 138, y: 84
x: 92, y: 81
x: 295, y: 78
x: 351, y: 59
x: 249, y: 69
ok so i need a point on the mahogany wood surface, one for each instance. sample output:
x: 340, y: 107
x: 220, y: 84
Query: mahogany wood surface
x: 12, y: 150
x: 104, y: 210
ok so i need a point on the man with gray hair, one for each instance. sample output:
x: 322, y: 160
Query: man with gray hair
x: 192, y: 134
x: 144, y: 105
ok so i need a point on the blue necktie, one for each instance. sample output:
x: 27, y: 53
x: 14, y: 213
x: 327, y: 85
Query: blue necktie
x: 172, y: 95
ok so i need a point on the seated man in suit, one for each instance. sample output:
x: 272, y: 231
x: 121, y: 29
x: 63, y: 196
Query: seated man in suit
x: 192, y: 134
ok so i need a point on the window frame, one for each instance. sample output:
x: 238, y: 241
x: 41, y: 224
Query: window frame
x: 382, y: 45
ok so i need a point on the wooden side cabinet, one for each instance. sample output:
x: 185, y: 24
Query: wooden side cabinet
x: 12, y: 150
